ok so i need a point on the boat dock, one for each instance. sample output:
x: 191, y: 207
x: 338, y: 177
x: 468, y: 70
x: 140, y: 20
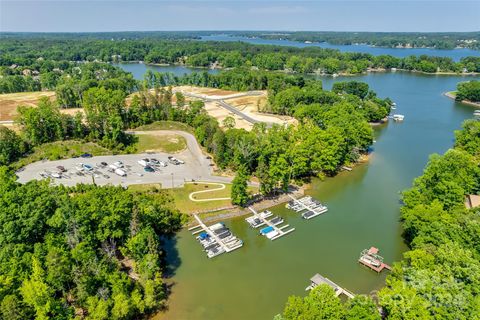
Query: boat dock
x: 311, y: 207
x: 370, y: 258
x: 216, y: 239
x: 318, y: 279
x: 272, y: 230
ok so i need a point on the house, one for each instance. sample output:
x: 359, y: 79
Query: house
x: 472, y: 201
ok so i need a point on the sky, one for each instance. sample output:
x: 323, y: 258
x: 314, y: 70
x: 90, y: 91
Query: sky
x: 158, y: 15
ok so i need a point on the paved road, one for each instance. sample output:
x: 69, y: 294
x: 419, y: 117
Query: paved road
x: 227, y: 106
x: 6, y: 122
x: 197, y: 167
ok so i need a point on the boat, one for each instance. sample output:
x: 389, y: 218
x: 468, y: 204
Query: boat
x: 266, y: 230
x: 398, y: 117
x: 266, y: 214
x: 217, y: 226
x: 276, y: 220
x: 215, y: 252
x: 271, y: 234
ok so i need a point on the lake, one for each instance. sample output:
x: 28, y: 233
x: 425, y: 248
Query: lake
x: 255, y: 281
x: 455, y: 54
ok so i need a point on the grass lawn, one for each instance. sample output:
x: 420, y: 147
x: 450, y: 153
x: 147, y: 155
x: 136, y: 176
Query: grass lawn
x: 61, y: 150
x: 169, y: 143
x: 184, y: 204
x: 166, y: 125
x: 181, y: 199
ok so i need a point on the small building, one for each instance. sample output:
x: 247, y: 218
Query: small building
x: 472, y: 201
x: 318, y: 279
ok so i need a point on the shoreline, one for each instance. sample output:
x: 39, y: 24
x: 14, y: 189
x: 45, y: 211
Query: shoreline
x: 343, y: 74
x: 449, y: 94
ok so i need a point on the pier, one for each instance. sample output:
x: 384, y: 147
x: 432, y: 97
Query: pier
x: 216, y: 239
x: 370, y: 258
x: 318, y: 279
x: 312, y: 207
x: 274, y: 231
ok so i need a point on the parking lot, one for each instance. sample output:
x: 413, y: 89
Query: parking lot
x: 101, y: 170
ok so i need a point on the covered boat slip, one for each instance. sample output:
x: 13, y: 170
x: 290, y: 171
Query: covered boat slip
x: 216, y: 239
x: 309, y: 206
x: 272, y: 230
x: 318, y: 279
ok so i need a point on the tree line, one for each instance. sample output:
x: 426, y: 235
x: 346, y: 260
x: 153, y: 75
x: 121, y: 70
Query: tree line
x: 437, y: 40
x: 439, y: 277
x: 69, y: 79
x: 225, y: 54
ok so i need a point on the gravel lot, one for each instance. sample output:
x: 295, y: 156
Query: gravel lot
x: 196, y: 167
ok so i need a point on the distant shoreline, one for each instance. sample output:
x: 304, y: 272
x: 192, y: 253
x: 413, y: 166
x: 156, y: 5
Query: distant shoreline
x: 344, y: 74
x: 451, y: 95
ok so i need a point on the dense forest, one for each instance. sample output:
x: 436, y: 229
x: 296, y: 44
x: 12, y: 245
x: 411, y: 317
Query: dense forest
x: 439, y: 277
x: 437, y: 40
x: 44, y: 62
x: 468, y: 90
x: 84, y: 252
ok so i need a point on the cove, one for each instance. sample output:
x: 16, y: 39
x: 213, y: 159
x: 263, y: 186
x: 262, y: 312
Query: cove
x: 455, y: 54
x: 255, y: 281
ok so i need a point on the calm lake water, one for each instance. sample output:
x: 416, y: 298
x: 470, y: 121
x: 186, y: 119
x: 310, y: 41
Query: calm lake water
x: 255, y: 281
x: 455, y: 54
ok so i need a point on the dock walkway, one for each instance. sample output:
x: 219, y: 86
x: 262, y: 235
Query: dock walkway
x: 318, y: 279
x: 280, y: 230
x: 313, y: 207
x: 202, y: 227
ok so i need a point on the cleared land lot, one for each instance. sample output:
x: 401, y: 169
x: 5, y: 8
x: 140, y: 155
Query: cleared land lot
x: 9, y: 102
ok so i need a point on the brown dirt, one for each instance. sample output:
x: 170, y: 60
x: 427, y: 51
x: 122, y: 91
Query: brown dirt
x: 9, y: 102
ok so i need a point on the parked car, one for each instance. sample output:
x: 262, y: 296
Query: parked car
x: 104, y: 163
x: 148, y: 169
x: 86, y: 155
x: 61, y: 169
x: 120, y: 172
x: 162, y: 164
x: 154, y: 161
x: 144, y: 162
x: 118, y: 164
x: 79, y: 166
x: 87, y: 167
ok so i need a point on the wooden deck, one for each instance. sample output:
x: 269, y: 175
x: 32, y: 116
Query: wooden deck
x: 318, y: 279
x: 374, y: 268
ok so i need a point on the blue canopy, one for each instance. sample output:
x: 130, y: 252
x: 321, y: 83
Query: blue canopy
x: 204, y: 236
x: 266, y: 230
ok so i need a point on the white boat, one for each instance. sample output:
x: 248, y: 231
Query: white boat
x: 398, y: 117
x: 216, y: 226
x: 271, y: 234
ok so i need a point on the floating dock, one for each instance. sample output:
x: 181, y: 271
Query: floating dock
x: 272, y: 229
x: 318, y: 279
x: 216, y: 239
x: 370, y: 258
x: 309, y: 206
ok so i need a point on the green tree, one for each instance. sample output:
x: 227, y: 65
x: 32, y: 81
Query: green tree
x: 239, y: 188
x: 11, y: 146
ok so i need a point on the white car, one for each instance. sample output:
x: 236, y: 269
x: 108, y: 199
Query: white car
x: 118, y: 164
x: 120, y: 172
x: 162, y: 164
x: 79, y: 167
x: 144, y: 162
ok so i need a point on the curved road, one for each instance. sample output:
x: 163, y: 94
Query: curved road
x: 221, y: 101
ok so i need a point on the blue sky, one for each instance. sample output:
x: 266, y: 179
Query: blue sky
x: 123, y: 15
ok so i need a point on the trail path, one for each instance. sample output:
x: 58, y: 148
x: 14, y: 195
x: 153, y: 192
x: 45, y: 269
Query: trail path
x: 222, y: 186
